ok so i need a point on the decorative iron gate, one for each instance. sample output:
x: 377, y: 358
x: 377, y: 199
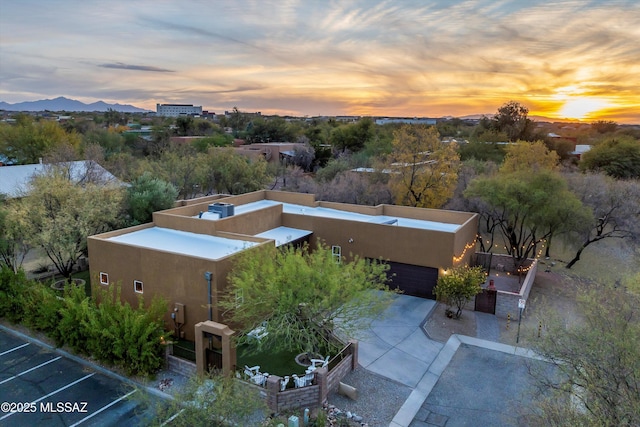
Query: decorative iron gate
x: 486, y: 301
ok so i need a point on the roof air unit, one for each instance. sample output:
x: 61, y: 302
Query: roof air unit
x: 222, y: 209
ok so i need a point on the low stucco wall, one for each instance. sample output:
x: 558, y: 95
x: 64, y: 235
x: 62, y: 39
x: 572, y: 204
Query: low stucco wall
x: 507, y: 302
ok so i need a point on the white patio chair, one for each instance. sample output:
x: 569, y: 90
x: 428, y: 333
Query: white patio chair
x: 260, y: 379
x: 308, y: 378
x: 250, y: 372
x: 284, y: 382
x: 298, y: 381
x: 320, y: 363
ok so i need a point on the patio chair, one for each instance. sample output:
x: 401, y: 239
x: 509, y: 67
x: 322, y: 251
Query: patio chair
x: 298, y: 381
x: 310, y: 369
x: 308, y: 378
x: 284, y: 382
x: 260, y: 379
x: 320, y: 363
x: 251, y: 372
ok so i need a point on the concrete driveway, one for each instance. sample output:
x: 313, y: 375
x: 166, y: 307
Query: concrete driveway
x: 395, y: 346
x: 467, y: 381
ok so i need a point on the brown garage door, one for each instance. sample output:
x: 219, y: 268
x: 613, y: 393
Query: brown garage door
x: 413, y: 280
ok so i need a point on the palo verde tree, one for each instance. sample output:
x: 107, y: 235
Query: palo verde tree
x: 14, y: 233
x: 424, y: 171
x: 63, y: 213
x: 596, y: 381
x: 458, y: 286
x: 302, y: 295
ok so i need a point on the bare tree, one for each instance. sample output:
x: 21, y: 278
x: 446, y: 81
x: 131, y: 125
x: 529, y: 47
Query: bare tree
x: 596, y: 380
x: 615, y: 205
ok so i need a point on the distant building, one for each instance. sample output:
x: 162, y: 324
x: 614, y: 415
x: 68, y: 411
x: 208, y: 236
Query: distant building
x: 414, y: 121
x: 177, y: 110
x: 580, y: 150
x: 15, y: 180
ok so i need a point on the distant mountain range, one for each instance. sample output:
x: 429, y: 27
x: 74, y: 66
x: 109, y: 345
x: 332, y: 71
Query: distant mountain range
x: 65, y: 104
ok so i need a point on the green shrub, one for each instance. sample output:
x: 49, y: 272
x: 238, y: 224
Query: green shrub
x: 12, y: 290
x: 112, y: 332
x: 130, y: 338
x: 74, y: 314
x: 42, y: 308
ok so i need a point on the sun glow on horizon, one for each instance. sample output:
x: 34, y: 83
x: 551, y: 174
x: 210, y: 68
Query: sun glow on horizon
x: 582, y: 107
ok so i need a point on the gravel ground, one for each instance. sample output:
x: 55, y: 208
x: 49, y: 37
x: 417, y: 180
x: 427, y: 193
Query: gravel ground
x: 379, y: 399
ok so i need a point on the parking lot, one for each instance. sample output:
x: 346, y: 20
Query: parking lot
x: 41, y: 386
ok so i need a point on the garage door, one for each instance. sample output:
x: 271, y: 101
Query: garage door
x: 413, y: 280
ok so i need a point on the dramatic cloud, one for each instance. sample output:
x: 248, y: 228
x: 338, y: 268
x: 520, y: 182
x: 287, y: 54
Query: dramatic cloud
x: 393, y: 57
x: 121, y: 66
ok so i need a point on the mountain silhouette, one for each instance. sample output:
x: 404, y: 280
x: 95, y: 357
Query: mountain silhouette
x: 65, y: 104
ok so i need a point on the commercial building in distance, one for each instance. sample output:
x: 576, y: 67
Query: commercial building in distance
x: 177, y: 110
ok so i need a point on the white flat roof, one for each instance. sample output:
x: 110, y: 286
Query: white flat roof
x: 339, y: 214
x: 284, y: 235
x: 183, y: 242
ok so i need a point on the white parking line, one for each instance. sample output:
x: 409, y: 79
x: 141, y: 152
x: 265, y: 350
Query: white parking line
x: 52, y: 393
x: 103, y: 408
x: 14, y: 349
x: 29, y: 370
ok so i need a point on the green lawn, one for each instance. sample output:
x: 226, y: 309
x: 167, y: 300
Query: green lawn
x: 277, y: 363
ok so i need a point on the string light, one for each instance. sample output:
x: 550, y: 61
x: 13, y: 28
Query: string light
x: 457, y: 259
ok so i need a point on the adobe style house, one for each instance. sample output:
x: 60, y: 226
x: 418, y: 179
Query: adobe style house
x: 186, y: 253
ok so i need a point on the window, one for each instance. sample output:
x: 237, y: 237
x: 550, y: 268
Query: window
x: 336, y: 251
x: 137, y: 286
x: 104, y: 278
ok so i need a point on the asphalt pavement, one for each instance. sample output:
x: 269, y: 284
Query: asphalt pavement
x: 44, y: 386
x: 466, y: 381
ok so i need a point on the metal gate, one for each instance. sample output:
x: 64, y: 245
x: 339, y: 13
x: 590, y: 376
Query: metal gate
x: 214, y: 359
x: 486, y: 301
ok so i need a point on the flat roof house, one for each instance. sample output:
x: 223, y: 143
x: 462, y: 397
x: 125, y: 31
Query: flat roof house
x: 186, y: 253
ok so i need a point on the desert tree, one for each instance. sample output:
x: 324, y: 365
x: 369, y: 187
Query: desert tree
x: 618, y: 157
x: 423, y: 171
x: 225, y: 171
x: 14, y: 233
x: 301, y: 295
x: 512, y: 119
x: 210, y: 400
x: 596, y: 380
x: 532, y: 156
x: 526, y: 206
x: 63, y: 213
x: 147, y: 195
x: 615, y: 207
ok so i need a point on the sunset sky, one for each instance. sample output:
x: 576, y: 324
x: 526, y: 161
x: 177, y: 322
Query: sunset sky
x: 574, y: 59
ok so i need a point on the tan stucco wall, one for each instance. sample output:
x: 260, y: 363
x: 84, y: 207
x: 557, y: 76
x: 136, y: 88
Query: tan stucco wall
x: 180, y: 279
x: 176, y: 278
x: 411, y: 246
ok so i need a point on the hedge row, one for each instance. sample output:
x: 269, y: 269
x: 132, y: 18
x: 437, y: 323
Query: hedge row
x: 111, y: 332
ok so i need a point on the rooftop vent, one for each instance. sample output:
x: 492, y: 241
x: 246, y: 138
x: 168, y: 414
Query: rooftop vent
x: 222, y: 209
